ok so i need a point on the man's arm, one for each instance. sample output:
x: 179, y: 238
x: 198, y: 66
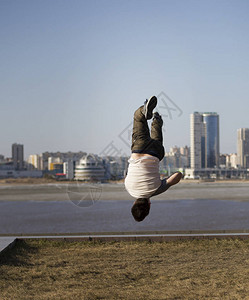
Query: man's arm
x: 162, y: 188
x: 168, y: 182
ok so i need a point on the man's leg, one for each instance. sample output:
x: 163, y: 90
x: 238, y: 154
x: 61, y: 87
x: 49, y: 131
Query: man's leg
x: 157, y: 136
x: 141, y: 134
x: 156, y: 128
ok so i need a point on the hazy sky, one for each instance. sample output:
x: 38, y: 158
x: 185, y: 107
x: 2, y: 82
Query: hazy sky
x: 73, y: 72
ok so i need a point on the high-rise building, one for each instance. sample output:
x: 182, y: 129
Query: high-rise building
x: 204, y: 140
x: 211, y: 121
x: 197, y: 141
x: 34, y: 162
x: 17, y: 156
x: 243, y: 147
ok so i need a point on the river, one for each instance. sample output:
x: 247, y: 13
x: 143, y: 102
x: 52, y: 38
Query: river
x: 85, y: 208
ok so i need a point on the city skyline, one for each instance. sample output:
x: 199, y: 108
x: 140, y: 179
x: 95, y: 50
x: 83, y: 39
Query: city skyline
x: 73, y: 74
x: 201, y: 132
x: 201, y: 160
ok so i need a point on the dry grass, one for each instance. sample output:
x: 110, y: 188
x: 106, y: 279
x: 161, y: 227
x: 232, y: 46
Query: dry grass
x: 193, y: 269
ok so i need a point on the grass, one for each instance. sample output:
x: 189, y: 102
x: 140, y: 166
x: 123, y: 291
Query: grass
x: 190, y: 269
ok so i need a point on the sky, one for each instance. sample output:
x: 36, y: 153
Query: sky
x: 73, y: 72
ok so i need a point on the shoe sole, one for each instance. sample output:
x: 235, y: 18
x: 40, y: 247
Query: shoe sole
x: 150, y: 105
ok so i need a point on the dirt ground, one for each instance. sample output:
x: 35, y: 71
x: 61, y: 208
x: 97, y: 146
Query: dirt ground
x: 21, y: 181
x: 190, y: 269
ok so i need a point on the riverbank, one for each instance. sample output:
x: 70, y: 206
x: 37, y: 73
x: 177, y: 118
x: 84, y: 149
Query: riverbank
x: 36, y: 181
x: 25, y: 181
x: 195, y: 269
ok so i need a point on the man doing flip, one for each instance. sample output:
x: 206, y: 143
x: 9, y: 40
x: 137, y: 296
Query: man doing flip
x: 143, y: 179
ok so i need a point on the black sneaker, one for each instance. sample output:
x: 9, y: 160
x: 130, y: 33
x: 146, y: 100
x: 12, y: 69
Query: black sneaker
x: 149, y: 105
x: 158, y: 117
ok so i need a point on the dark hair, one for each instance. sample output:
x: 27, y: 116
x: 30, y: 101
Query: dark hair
x: 140, y: 209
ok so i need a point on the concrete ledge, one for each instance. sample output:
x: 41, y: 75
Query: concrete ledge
x: 6, y: 243
x: 140, y: 237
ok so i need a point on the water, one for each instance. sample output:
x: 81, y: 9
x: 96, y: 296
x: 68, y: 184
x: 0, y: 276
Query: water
x: 54, y: 209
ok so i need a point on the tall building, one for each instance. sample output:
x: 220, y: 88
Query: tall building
x: 34, y: 162
x: 204, y: 140
x: 197, y: 141
x: 243, y: 147
x: 211, y: 121
x: 17, y: 156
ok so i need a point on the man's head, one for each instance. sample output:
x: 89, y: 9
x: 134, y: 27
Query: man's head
x: 140, y: 209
